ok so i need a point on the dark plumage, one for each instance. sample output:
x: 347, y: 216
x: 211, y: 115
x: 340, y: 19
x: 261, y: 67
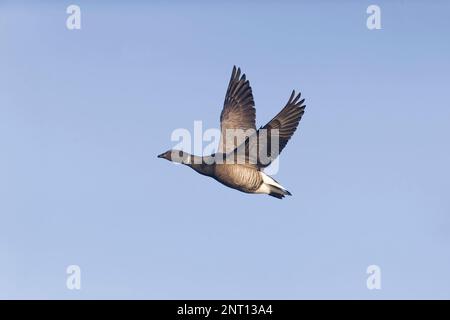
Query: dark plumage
x: 238, y: 110
x: 244, y: 151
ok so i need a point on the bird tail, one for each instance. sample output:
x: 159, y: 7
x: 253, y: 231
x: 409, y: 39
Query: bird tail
x: 278, y: 193
x: 275, y: 189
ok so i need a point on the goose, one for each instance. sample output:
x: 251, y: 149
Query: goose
x: 240, y: 167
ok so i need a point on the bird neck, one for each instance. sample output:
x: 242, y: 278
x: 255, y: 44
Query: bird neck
x: 198, y: 164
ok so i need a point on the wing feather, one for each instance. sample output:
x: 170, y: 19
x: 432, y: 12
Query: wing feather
x: 238, y: 111
x: 279, y: 130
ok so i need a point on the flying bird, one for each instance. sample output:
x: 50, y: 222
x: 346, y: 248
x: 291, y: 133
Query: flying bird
x: 238, y: 163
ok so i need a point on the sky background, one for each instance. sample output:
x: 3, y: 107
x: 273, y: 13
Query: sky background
x: 84, y: 113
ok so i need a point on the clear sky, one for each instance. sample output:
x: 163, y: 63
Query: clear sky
x: 83, y: 114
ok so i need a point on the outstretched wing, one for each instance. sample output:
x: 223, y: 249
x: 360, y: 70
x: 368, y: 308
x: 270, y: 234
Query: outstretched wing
x: 266, y: 145
x: 238, y: 114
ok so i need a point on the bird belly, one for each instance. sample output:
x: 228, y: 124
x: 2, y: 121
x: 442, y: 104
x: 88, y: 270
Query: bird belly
x: 242, y: 178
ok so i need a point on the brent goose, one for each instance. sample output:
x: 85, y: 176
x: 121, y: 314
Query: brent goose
x: 239, y: 162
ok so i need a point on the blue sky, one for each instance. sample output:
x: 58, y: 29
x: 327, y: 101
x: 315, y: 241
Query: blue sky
x: 84, y: 113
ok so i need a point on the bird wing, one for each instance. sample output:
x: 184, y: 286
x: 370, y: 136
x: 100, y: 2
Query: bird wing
x: 265, y: 146
x: 238, y: 113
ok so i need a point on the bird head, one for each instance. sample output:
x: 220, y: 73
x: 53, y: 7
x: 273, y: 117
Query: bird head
x: 175, y: 156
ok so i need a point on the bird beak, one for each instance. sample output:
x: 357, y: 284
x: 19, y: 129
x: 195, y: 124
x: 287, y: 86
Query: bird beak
x: 161, y: 155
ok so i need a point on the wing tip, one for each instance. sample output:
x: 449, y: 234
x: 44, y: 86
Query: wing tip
x: 294, y: 100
